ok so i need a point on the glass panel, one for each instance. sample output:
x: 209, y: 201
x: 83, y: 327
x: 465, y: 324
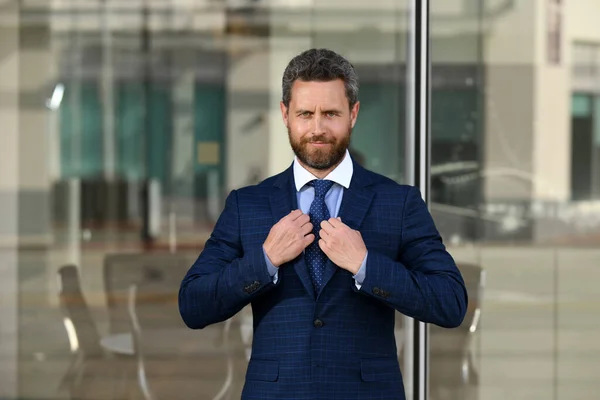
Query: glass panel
x: 511, y: 194
x: 581, y: 105
x: 125, y: 126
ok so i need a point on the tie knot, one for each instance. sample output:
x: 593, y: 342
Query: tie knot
x: 321, y: 186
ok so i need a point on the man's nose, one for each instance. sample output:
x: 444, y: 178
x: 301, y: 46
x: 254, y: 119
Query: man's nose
x: 318, y: 124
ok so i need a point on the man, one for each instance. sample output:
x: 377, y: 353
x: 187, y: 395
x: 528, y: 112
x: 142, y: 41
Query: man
x: 325, y: 252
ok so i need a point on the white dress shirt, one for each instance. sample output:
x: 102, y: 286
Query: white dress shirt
x: 341, y: 177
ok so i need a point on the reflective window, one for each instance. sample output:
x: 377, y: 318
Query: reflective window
x: 126, y: 124
x: 514, y: 193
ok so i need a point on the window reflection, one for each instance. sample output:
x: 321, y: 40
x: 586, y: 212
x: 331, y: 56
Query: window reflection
x: 125, y: 125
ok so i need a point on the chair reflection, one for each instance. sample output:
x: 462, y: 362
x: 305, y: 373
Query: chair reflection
x: 453, y: 374
x: 172, y: 361
x: 91, y: 367
x: 452, y: 371
x: 160, y: 273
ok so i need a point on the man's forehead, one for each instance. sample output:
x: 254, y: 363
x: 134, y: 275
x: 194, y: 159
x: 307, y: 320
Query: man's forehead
x: 325, y: 85
x: 318, y: 94
x: 321, y: 106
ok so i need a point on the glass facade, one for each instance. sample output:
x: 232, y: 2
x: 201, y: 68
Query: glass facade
x: 514, y: 197
x: 126, y: 124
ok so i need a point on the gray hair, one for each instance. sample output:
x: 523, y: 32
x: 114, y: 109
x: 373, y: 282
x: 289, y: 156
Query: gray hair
x: 320, y: 65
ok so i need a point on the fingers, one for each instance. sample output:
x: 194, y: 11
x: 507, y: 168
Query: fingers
x: 303, y: 219
x: 323, y: 246
x: 294, y: 215
x: 308, y: 239
x: 336, y: 222
x: 297, y: 217
x: 306, y: 228
x: 327, y: 225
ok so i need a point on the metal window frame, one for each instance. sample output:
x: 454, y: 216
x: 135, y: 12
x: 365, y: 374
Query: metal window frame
x: 418, y: 156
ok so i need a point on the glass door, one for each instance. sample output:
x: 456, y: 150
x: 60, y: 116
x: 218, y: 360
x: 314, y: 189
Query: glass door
x: 512, y: 171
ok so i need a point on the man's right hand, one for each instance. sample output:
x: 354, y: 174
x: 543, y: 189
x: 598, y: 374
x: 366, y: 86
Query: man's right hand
x: 288, y: 237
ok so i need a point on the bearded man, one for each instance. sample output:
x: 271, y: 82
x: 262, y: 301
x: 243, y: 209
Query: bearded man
x: 325, y: 252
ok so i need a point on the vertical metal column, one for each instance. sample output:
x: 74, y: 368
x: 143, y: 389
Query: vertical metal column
x: 417, y: 165
x: 146, y: 233
x: 108, y: 123
x: 108, y: 109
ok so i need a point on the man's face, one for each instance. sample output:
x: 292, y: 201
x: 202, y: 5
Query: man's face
x: 319, y: 122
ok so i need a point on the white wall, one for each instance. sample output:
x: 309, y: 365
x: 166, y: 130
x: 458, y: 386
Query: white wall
x: 527, y: 107
x: 247, y: 149
x: 281, y: 51
x: 582, y: 20
x: 552, y: 112
x: 508, y: 50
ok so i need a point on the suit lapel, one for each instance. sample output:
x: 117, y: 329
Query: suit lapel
x: 282, y: 197
x: 356, y: 201
x: 283, y: 200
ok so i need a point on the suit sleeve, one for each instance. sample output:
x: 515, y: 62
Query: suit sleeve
x: 224, y: 278
x: 425, y: 283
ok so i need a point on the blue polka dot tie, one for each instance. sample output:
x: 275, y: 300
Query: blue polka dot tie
x: 315, y: 258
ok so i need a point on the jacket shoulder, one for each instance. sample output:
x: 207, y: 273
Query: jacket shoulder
x: 260, y: 189
x: 382, y: 183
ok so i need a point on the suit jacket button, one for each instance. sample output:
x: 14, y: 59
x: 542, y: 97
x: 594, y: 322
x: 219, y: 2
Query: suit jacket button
x: 376, y: 291
x: 318, y: 323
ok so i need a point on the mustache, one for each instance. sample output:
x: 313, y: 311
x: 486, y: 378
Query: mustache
x: 320, y: 139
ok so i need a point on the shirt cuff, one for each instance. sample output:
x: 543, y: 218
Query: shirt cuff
x: 360, y: 275
x: 273, y: 270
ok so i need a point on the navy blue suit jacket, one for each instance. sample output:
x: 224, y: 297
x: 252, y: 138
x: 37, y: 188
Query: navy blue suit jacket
x: 340, y: 343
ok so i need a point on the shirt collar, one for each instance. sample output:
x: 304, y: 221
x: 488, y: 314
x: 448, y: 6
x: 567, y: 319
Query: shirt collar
x: 342, y: 174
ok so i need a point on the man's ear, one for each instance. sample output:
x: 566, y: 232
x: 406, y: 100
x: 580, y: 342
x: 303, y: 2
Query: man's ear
x: 354, y: 113
x: 284, y: 113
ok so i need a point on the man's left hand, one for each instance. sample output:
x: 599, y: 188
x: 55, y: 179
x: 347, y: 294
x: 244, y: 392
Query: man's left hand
x: 342, y: 244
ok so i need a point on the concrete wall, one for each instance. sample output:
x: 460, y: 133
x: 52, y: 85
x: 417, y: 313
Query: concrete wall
x: 247, y: 122
x: 35, y: 86
x: 9, y: 140
x: 527, y: 109
x: 508, y: 97
x: 552, y: 109
x: 581, y: 18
